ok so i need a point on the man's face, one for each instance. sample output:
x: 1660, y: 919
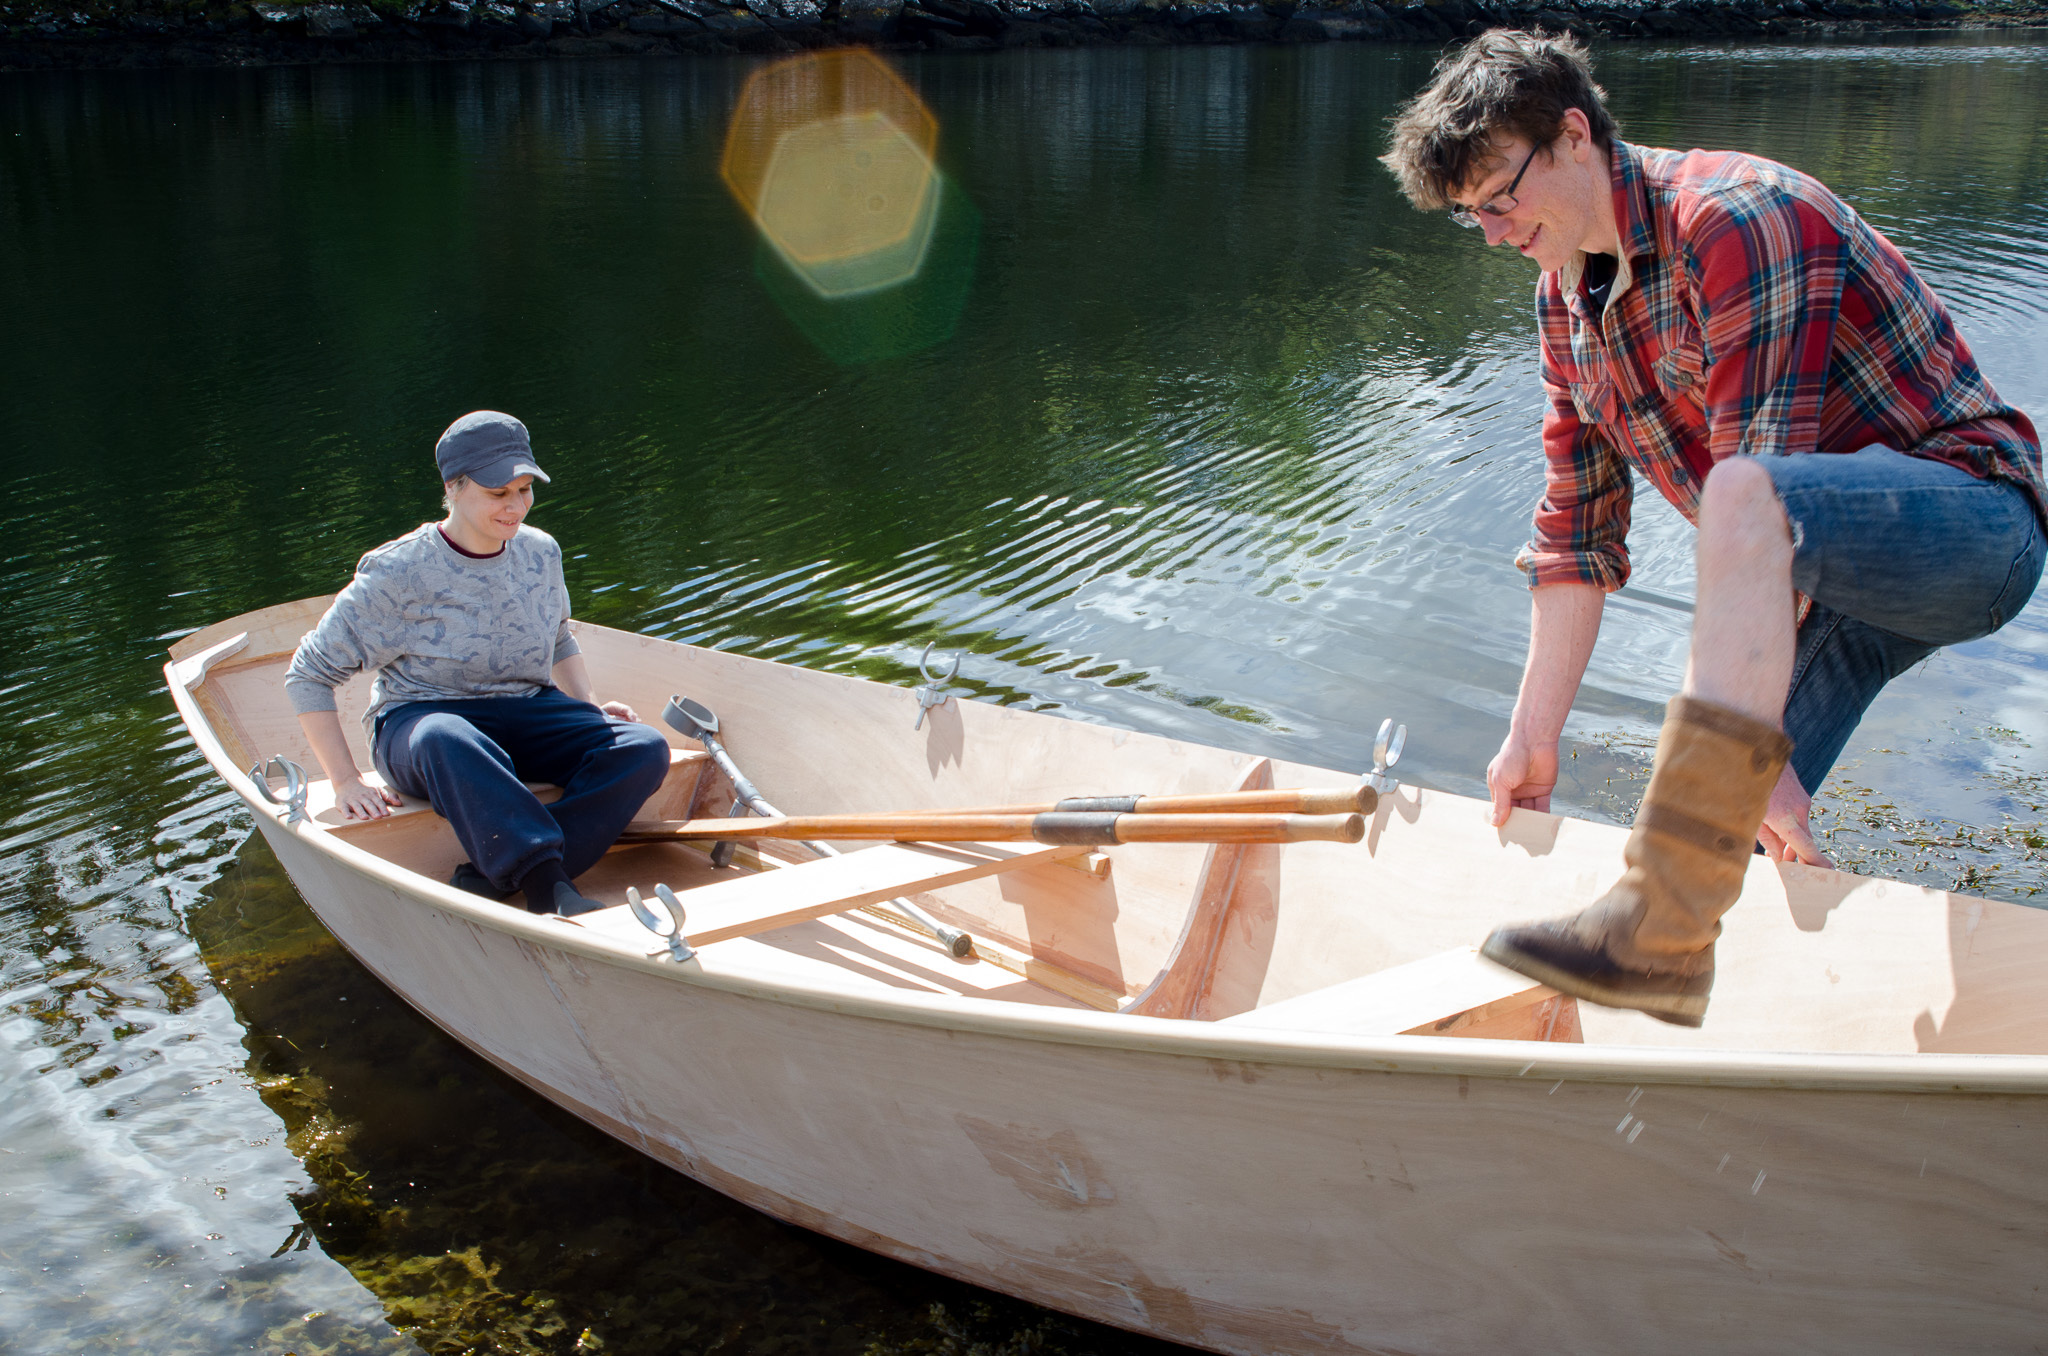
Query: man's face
x: 1557, y: 203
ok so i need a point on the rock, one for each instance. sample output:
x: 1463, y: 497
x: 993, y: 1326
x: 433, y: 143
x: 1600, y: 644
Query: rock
x: 1025, y: 33
x: 497, y: 20
x: 274, y: 18
x: 662, y: 25
x: 1303, y: 29
x: 1424, y: 21
x: 1349, y: 28
x: 535, y: 26
x: 1250, y: 25
x: 451, y: 16
x: 329, y: 22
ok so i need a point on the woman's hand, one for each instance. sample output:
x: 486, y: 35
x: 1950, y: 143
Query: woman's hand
x: 1785, y: 833
x: 572, y: 676
x: 357, y: 799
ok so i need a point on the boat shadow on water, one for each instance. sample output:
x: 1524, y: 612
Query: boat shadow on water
x: 484, y: 1218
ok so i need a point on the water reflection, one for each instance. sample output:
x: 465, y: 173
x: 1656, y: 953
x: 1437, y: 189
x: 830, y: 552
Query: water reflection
x: 1226, y: 443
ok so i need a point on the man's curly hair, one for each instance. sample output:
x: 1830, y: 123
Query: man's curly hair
x: 1501, y: 82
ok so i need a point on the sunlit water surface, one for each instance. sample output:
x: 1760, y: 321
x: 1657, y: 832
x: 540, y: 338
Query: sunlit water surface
x: 1226, y: 444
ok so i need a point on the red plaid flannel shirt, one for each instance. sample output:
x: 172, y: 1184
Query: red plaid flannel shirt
x: 1753, y: 313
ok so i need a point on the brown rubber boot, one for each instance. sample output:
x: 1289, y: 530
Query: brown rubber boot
x: 1648, y: 943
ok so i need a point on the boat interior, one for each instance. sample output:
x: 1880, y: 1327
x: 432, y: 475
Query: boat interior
x: 1372, y: 939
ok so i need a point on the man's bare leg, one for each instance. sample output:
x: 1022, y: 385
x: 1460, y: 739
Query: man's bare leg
x: 1743, y: 631
x: 1648, y: 943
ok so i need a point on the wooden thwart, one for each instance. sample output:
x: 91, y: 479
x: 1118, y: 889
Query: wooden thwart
x: 685, y: 767
x: 797, y: 893
x: 1456, y: 993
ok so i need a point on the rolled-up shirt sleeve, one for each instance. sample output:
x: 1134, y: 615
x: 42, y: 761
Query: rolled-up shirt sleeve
x: 1580, y: 531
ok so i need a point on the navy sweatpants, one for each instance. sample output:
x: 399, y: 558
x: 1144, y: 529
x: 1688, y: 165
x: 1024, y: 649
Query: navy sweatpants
x: 469, y: 758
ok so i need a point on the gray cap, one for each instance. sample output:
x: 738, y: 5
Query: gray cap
x: 488, y: 447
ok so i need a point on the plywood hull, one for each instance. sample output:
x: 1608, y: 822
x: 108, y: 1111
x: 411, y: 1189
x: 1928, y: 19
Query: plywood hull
x: 1270, y: 1205
x: 1849, y: 1187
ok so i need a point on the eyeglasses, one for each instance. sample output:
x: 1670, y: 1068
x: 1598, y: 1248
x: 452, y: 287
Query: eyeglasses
x: 1501, y: 203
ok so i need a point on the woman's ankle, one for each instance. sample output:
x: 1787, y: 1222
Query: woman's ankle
x: 538, y: 884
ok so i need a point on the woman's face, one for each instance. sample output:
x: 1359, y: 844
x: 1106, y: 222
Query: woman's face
x: 493, y: 514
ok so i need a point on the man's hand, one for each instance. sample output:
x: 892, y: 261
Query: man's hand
x: 1521, y: 777
x: 1785, y: 833
x: 620, y: 711
x: 357, y: 799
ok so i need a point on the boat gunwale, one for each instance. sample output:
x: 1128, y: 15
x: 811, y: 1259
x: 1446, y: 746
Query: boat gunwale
x: 1931, y: 1073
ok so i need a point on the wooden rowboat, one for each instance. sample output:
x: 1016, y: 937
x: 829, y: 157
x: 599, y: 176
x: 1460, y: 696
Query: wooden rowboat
x: 1251, y: 1098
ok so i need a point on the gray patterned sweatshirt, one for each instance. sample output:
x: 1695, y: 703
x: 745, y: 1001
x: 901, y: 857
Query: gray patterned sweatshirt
x: 436, y: 625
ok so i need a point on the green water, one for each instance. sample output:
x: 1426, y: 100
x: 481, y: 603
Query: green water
x: 1223, y: 442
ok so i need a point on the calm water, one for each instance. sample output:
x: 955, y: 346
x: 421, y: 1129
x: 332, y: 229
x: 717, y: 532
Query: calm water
x: 1224, y: 442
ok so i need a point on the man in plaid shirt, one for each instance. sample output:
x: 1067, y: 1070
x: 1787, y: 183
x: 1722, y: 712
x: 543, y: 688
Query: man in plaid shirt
x: 1735, y: 334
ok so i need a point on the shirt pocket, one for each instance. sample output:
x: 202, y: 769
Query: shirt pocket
x: 1679, y: 367
x: 1594, y: 400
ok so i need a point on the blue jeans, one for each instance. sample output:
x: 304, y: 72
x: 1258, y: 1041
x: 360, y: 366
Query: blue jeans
x: 470, y: 759
x: 1901, y: 555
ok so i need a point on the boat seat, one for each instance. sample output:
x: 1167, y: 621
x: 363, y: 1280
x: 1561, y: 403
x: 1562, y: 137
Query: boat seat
x: 796, y: 892
x: 1457, y: 993
x: 685, y: 766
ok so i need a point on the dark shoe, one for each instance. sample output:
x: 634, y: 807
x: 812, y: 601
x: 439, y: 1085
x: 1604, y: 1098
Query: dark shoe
x: 467, y: 877
x: 568, y: 903
x: 1648, y: 943
x: 1568, y: 955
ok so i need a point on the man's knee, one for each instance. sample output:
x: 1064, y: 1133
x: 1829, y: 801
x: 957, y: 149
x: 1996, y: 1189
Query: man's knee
x: 1740, y: 510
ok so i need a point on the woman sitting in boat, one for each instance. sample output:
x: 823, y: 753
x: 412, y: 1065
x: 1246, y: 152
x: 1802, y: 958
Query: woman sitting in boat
x: 480, y: 686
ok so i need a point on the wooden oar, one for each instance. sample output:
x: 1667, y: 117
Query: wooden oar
x: 1089, y: 827
x: 1360, y: 799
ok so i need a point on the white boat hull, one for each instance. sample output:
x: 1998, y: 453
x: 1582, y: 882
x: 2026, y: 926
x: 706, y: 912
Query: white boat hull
x: 1270, y: 1191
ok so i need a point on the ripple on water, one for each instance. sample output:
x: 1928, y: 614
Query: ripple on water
x: 1229, y: 445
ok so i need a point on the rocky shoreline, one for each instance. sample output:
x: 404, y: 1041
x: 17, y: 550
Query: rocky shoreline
x: 44, y: 34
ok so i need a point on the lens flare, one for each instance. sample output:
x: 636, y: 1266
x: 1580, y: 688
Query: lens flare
x: 831, y: 155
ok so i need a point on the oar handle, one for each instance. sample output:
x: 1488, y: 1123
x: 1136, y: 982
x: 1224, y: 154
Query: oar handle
x: 1346, y: 800
x: 1237, y: 828
x: 1086, y: 827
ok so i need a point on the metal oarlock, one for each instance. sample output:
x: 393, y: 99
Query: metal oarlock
x: 678, y: 948
x: 295, y: 782
x: 1386, y: 751
x: 933, y: 694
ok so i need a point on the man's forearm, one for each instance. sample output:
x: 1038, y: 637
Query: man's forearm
x: 1564, y: 623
